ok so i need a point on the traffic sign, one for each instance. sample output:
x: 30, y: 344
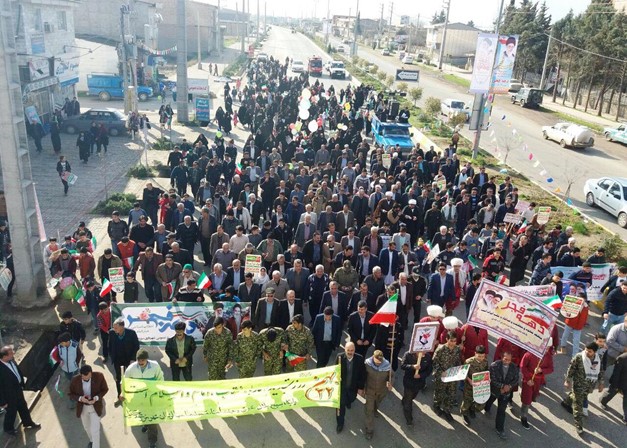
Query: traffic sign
x: 407, y: 75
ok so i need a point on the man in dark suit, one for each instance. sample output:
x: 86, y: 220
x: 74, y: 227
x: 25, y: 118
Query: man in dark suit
x: 313, y: 257
x: 293, y: 254
x: 438, y: 294
x: 289, y: 308
x: 267, y: 312
x: 358, y: 296
x: 353, y: 374
x: 326, y: 331
x: 249, y: 291
x: 351, y: 240
x: 12, y: 384
x: 359, y: 330
x: 234, y: 275
x: 406, y: 298
x: 281, y: 265
x: 337, y: 300
x: 384, y: 260
x: 366, y: 262
x: 180, y: 362
x: 123, y: 346
x: 255, y: 208
x: 297, y: 279
x: 376, y: 287
x: 89, y: 408
x: 344, y: 220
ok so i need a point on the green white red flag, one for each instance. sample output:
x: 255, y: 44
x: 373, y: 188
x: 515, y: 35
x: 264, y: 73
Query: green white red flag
x: 107, y: 287
x: 387, y: 314
x: 203, y: 281
x: 294, y: 359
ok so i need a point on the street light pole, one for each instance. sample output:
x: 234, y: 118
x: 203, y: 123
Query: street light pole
x: 475, y: 146
x: 546, y: 60
x: 355, y: 30
x: 198, y: 39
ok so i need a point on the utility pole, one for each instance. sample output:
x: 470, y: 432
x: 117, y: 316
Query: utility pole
x: 390, y: 24
x: 482, y: 99
x: 265, y: 17
x: 127, y: 105
x: 182, y: 111
x: 326, y: 34
x: 355, y: 30
x: 258, y: 14
x: 546, y: 61
x: 240, y: 29
x: 218, y: 42
x: 198, y: 39
x: 443, y: 44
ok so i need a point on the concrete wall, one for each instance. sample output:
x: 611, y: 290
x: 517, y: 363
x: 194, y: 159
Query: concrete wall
x: 194, y: 11
x: 102, y: 18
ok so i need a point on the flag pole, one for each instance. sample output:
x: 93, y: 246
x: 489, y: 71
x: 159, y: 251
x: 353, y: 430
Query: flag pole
x: 392, y: 351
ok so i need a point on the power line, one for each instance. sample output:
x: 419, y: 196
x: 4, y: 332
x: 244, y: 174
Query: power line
x: 587, y: 51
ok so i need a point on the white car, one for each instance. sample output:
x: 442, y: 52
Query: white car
x: 451, y: 107
x: 342, y: 49
x: 262, y: 57
x: 407, y: 59
x: 569, y: 135
x: 619, y: 128
x: 515, y: 85
x: 385, y: 52
x: 298, y: 66
x: 609, y: 193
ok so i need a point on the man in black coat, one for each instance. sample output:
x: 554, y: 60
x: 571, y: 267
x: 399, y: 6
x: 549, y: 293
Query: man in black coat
x: 150, y: 201
x: 359, y: 330
x: 180, y: 362
x: 249, y: 291
x: 12, y: 400
x: 187, y: 234
x: 123, y: 346
x: 72, y: 326
x: 289, y: 308
x: 417, y: 367
x: 337, y: 300
x: 353, y: 374
x: 504, y: 376
x: 618, y: 384
x: 326, y: 339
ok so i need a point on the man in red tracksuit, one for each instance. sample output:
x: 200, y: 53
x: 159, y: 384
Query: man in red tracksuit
x: 533, y: 372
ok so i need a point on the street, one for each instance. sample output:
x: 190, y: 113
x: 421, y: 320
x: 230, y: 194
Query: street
x: 509, y: 121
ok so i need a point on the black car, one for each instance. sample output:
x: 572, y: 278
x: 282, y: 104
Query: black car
x: 113, y: 119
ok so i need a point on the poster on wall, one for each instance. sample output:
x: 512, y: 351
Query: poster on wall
x: 484, y: 60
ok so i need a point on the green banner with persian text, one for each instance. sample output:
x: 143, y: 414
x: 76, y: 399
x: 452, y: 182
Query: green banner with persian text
x: 152, y: 402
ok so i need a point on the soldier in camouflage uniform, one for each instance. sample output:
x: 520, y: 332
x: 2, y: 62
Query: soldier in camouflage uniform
x: 247, y: 350
x: 478, y: 363
x: 583, y: 375
x: 298, y: 340
x: 218, y: 349
x: 446, y: 356
x: 271, y: 341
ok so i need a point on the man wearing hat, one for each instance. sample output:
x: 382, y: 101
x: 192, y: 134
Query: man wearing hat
x: 144, y: 368
x: 459, y: 283
x: 377, y: 386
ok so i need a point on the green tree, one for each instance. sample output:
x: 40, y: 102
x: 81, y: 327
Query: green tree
x: 471, y: 23
x: 381, y: 75
x: 438, y: 18
x: 415, y: 94
x: 432, y: 106
x: 402, y: 87
x: 389, y: 80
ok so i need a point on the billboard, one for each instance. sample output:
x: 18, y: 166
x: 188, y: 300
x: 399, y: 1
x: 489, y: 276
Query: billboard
x: 484, y: 60
x: 504, y: 68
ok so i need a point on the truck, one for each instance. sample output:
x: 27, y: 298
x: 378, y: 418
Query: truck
x: 108, y: 85
x: 314, y: 67
x: 336, y: 70
x: 391, y: 134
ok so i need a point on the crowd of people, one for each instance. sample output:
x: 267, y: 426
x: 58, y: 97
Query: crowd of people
x: 339, y: 233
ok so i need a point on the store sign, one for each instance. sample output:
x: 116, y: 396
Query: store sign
x: 66, y: 68
x: 39, y: 68
x: 37, y: 43
x: 198, y: 86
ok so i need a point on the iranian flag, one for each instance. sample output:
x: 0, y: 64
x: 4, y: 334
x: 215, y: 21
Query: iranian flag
x: 473, y: 261
x: 107, y: 287
x: 387, y: 314
x: 94, y: 243
x: 54, y: 356
x: 238, y: 169
x: 294, y: 359
x: 553, y: 302
x: 57, y: 386
x: 129, y: 262
x: 171, y: 289
x: 501, y: 279
x: 80, y: 298
x: 203, y: 282
x: 428, y: 246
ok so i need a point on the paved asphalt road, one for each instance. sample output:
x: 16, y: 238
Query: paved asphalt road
x: 562, y: 164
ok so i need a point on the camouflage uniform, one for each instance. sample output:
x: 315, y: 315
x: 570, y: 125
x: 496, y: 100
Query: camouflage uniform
x: 581, y: 388
x: 247, y: 351
x: 273, y: 349
x: 218, y: 349
x: 300, y: 342
x: 468, y: 403
x: 443, y: 359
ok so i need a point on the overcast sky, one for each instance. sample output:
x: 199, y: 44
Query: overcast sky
x: 481, y: 12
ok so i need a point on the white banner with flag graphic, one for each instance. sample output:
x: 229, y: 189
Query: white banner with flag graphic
x: 424, y: 336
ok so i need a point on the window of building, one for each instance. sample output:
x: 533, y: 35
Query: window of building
x: 38, y: 22
x: 62, y: 20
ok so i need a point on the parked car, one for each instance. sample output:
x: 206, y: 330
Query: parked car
x: 515, y: 85
x: 341, y: 49
x: 621, y: 127
x: 107, y: 85
x: 336, y: 70
x: 528, y: 97
x: 385, y: 52
x: 407, y: 59
x: 451, y: 107
x: 610, y: 194
x: 298, y: 66
x: 569, y: 135
x: 617, y: 136
x: 113, y: 119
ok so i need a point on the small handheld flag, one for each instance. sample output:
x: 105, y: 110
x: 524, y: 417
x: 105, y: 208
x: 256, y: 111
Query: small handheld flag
x: 94, y: 243
x: 294, y: 359
x: 553, y: 302
x: 203, y: 282
x: 57, y: 387
x: 171, y: 289
x: 80, y: 298
x: 387, y: 313
x: 54, y: 356
x: 107, y: 287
